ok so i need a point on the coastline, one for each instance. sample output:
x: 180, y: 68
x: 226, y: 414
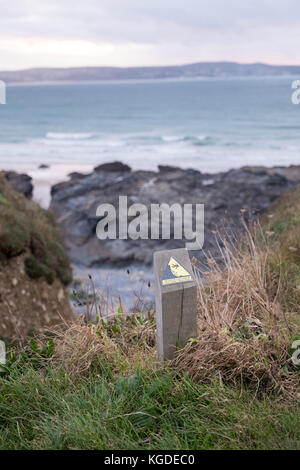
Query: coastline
x: 148, y: 80
x: 75, y: 203
x: 75, y: 198
x: 43, y: 179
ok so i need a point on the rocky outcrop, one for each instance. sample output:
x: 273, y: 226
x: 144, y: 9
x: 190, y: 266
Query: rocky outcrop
x: 113, y: 167
x: 20, y: 182
x: 74, y: 204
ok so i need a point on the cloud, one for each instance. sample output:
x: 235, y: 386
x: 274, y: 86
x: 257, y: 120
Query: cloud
x: 148, y: 32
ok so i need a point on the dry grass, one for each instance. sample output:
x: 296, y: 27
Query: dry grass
x: 244, y: 332
x: 121, y: 342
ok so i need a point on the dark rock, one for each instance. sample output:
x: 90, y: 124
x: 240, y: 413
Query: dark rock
x: 43, y: 166
x: 114, y: 166
x: 167, y: 168
x: 224, y: 195
x: 76, y: 176
x: 20, y: 182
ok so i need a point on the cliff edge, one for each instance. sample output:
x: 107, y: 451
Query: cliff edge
x: 34, y: 268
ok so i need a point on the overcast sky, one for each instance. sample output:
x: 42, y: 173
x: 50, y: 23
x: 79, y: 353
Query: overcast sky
x: 63, y: 33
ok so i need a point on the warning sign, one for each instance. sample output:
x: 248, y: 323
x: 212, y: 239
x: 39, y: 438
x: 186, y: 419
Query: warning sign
x: 174, y: 272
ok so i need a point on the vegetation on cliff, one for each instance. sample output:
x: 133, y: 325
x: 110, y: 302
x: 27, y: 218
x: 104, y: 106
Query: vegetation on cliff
x: 34, y: 268
x: 234, y: 386
x: 25, y: 227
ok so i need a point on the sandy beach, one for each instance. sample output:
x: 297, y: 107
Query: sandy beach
x: 44, y: 178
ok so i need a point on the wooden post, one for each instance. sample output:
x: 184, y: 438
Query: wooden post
x: 176, y: 301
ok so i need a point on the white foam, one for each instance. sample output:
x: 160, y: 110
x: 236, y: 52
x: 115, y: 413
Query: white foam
x: 68, y: 136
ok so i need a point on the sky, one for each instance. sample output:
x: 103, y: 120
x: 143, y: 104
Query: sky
x: 66, y: 33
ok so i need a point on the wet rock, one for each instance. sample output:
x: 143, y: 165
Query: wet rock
x: 167, y: 168
x: 76, y: 175
x: 112, y: 167
x: 225, y: 195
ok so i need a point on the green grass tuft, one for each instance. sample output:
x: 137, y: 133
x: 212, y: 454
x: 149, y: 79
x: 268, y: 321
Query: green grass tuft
x: 44, y: 408
x: 25, y: 227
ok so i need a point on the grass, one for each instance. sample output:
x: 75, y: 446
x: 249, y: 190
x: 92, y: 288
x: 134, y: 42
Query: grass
x: 49, y: 409
x: 26, y: 228
x: 282, y: 226
x: 234, y: 386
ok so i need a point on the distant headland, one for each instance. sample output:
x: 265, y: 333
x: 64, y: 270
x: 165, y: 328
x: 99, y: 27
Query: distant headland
x: 188, y: 71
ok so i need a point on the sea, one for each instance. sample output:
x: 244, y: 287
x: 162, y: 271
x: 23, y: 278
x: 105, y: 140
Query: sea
x: 210, y: 124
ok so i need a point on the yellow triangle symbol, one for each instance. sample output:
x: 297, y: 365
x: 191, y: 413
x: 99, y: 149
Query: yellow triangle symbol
x: 176, y: 268
x: 175, y: 273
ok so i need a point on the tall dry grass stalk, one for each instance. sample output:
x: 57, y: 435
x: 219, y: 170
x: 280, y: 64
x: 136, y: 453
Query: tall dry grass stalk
x: 244, y: 333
